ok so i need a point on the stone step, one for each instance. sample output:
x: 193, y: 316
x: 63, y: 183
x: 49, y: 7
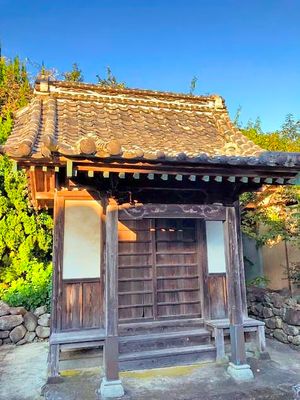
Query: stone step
x: 163, y: 340
x: 166, y: 357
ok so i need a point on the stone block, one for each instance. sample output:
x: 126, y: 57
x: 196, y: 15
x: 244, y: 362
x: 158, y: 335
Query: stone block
x: 17, y: 311
x: 17, y: 333
x: 278, y: 322
x: 29, y: 337
x: 290, y: 329
x: 7, y: 341
x: 30, y: 321
x: 271, y: 323
x: 292, y: 316
x: 276, y: 300
x: 259, y: 309
x: 40, y: 311
x: 4, y: 334
x: 280, y: 335
x: 21, y: 342
x: 267, y: 312
x: 43, y: 332
x: 278, y: 311
x: 296, y: 340
x: 44, y: 320
x: 8, y: 322
x: 4, y: 308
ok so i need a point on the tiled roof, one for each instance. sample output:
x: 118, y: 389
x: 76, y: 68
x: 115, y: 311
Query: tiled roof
x: 82, y: 120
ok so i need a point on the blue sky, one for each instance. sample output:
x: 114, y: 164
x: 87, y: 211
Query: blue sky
x: 246, y: 51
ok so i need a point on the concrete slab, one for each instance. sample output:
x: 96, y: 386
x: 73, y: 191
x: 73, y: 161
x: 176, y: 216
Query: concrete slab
x: 23, y: 371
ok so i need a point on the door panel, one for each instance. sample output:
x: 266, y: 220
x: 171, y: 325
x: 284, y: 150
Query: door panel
x: 159, y: 271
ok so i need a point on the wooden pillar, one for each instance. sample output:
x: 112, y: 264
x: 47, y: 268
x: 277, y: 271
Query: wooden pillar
x: 241, y: 255
x: 58, y: 236
x: 111, y: 385
x: 238, y: 367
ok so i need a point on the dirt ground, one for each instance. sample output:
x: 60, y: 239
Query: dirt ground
x: 23, y: 372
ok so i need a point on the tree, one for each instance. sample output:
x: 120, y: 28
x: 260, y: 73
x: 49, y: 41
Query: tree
x: 25, y: 235
x: 276, y: 208
x: 75, y: 75
x: 110, y: 80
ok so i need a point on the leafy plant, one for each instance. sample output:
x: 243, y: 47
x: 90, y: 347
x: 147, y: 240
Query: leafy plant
x: 25, y: 235
x: 259, y: 281
x: 110, y: 80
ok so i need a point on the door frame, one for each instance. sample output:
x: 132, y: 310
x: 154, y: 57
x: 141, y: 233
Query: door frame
x: 200, y: 213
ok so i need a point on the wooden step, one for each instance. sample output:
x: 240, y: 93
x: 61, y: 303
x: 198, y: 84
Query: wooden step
x: 126, y: 329
x: 161, y: 340
x: 166, y: 357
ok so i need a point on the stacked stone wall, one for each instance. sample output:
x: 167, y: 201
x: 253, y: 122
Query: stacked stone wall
x: 19, y: 326
x: 281, y: 314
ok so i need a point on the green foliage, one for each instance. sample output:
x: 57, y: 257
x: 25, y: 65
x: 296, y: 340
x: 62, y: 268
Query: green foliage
x: 110, y: 80
x: 259, y: 281
x: 25, y: 235
x: 75, y: 75
x: 193, y: 85
x: 33, y: 290
x: 277, y: 210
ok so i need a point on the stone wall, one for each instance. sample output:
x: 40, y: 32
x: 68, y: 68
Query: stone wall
x: 281, y: 314
x: 20, y: 326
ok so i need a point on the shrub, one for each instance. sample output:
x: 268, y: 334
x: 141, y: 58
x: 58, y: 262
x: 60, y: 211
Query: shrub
x: 32, y: 291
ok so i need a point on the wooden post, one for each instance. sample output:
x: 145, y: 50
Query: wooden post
x: 238, y: 368
x: 111, y: 385
x: 58, y: 235
x: 241, y: 255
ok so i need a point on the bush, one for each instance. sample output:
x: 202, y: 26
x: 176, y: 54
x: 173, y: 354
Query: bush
x: 32, y: 291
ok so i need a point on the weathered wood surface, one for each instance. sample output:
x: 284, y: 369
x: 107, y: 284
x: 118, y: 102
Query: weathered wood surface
x: 208, y: 212
x: 111, y: 352
x: 241, y: 255
x: 159, y: 273
x: 235, y: 303
x: 217, y: 289
x: 82, y: 304
x: 85, y: 335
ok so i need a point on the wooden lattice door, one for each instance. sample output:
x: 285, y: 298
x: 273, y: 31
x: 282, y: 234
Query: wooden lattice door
x: 159, y: 269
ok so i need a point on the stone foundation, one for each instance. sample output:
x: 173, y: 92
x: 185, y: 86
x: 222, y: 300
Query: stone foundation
x: 19, y: 326
x: 281, y: 314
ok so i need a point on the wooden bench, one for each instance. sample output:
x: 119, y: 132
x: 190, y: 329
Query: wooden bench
x: 220, y: 328
x: 72, y: 340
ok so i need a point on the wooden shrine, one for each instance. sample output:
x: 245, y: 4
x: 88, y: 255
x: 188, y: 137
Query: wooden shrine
x: 147, y: 252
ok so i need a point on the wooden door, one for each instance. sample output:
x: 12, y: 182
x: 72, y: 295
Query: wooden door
x: 159, y: 269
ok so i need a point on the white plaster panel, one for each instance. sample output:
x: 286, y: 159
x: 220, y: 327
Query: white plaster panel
x: 82, y: 239
x: 215, y: 247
